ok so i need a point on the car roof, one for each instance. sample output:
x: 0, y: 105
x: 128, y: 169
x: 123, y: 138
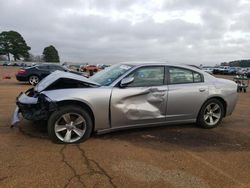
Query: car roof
x: 164, y: 63
x: 48, y: 64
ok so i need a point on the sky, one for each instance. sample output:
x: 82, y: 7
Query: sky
x: 110, y: 31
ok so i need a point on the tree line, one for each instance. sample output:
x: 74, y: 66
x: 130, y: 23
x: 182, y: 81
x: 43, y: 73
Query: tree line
x: 237, y: 63
x: 13, y: 44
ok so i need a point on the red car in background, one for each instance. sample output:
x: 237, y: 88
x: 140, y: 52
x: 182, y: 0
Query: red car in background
x: 89, y: 68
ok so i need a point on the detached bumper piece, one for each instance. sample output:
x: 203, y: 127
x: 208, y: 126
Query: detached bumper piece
x: 15, y: 117
x: 33, y: 106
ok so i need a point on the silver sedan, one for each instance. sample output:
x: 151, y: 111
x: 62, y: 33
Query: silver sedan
x: 126, y: 95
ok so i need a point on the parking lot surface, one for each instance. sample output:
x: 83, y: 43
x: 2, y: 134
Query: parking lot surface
x: 170, y: 156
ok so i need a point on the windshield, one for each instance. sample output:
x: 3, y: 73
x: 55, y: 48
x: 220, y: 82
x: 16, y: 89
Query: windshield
x: 109, y: 75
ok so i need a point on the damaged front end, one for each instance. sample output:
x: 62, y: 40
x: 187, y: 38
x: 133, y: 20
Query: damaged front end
x: 33, y: 106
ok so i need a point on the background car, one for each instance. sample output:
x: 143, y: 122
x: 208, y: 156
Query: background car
x: 243, y: 71
x: 124, y: 96
x: 232, y: 70
x: 89, y: 68
x: 208, y: 69
x: 5, y: 63
x: 247, y: 73
x: 221, y: 70
x: 37, y: 72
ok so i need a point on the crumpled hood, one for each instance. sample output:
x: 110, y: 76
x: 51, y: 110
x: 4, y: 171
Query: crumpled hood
x: 48, y: 80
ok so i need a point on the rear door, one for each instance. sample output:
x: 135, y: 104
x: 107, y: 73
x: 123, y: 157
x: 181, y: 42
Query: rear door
x: 141, y: 102
x: 187, y: 92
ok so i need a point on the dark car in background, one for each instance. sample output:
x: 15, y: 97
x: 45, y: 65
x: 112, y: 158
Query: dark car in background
x: 36, y: 73
x: 233, y: 70
x: 221, y: 70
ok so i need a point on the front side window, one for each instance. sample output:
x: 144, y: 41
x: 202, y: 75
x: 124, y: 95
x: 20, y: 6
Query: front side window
x: 183, y: 76
x: 147, y: 76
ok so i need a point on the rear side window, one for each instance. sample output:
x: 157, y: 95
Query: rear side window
x: 55, y: 67
x: 43, y: 67
x: 183, y: 76
x: 197, y: 77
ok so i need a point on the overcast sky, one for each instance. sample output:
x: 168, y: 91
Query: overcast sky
x: 109, y: 31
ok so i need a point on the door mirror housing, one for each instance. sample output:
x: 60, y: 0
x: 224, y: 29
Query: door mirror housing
x: 126, y: 81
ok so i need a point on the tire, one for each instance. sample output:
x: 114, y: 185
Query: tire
x: 64, y: 119
x: 216, y: 112
x: 34, y: 80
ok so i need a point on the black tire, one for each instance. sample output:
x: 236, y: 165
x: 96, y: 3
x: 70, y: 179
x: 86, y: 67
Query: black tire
x: 69, y: 109
x: 205, y: 114
x: 32, y: 79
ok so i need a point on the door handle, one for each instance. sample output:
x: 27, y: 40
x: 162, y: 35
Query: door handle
x: 202, y: 89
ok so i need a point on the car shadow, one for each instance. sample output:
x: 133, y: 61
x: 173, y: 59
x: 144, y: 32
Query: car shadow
x: 23, y: 83
x: 34, y: 129
x: 187, y: 136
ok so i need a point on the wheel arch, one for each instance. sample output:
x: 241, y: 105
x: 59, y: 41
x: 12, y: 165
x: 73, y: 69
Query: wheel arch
x: 224, y: 103
x: 34, y: 74
x: 82, y: 105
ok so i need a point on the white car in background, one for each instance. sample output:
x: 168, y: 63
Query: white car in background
x: 208, y: 69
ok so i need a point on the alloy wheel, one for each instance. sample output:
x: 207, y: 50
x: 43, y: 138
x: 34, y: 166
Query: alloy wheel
x: 212, y: 114
x: 34, y: 80
x: 70, y: 127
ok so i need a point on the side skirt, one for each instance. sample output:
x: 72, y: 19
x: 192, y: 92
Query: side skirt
x: 113, y: 129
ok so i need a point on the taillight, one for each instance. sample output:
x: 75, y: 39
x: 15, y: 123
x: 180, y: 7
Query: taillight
x: 21, y: 71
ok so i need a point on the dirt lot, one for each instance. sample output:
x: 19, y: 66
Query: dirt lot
x: 170, y: 156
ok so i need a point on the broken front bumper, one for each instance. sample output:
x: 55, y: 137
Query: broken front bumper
x: 15, y: 117
x: 33, y: 106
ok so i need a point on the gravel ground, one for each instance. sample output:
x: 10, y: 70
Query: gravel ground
x: 170, y: 156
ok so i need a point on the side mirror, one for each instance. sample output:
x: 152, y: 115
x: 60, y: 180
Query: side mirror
x: 126, y: 81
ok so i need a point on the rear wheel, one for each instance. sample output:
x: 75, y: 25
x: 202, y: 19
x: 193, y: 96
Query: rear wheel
x: 211, y: 114
x: 69, y: 124
x: 34, y: 79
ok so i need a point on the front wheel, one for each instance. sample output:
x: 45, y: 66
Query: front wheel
x: 211, y: 114
x: 69, y: 124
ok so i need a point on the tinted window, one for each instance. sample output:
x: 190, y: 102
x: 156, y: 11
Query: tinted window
x: 180, y: 76
x: 43, y: 67
x: 55, y: 67
x: 147, y: 76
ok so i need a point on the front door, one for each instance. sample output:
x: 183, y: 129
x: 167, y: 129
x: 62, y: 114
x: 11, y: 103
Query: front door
x: 141, y: 102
